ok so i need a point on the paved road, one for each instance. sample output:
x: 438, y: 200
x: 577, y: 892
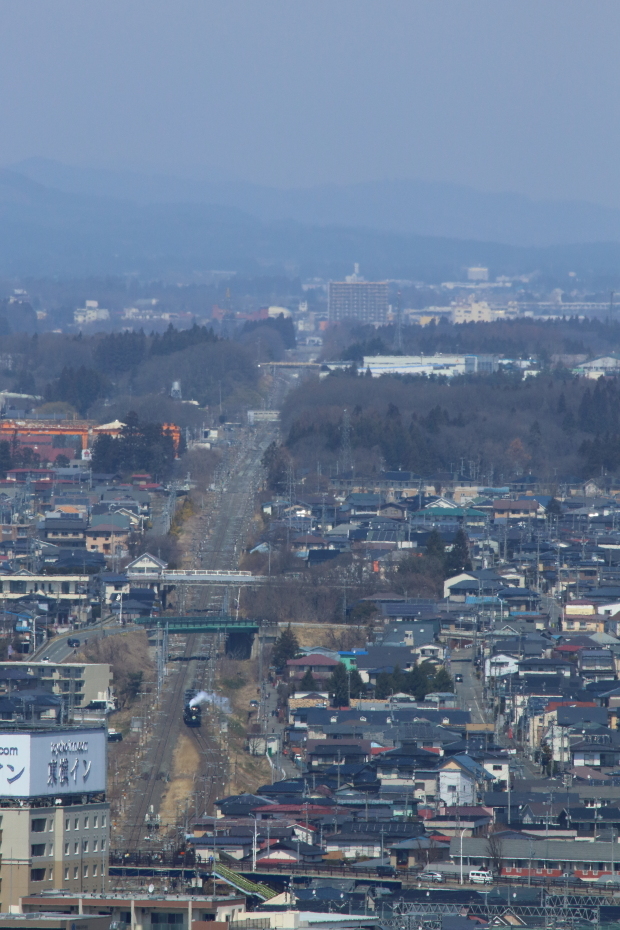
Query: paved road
x: 58, y: 649
x: 469, y: 691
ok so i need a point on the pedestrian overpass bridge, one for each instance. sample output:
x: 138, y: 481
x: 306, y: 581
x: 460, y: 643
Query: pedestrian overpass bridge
x: 195, y: 576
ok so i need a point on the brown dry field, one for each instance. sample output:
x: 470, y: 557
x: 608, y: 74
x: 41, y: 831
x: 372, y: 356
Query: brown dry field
x: 324, y: 634
x: 185, y: 766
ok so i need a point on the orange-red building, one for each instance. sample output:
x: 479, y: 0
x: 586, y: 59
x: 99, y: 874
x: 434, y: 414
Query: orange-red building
x: 50, y: 437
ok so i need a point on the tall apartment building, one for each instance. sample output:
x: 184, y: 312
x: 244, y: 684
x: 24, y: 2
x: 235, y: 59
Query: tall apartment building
x: 363, y: 301
x: 54, y: 817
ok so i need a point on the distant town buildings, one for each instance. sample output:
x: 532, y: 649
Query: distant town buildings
x: 356, y: 299
x: 446, y: 365
x: 90, y: 313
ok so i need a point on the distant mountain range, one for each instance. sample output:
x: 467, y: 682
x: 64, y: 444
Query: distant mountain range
x: 56, y: 219
x: 422, y: 208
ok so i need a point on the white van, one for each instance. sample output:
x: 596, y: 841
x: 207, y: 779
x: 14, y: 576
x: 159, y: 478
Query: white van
x: 481, y: 877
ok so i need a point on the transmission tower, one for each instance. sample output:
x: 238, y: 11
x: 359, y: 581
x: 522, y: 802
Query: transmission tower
x: 346, y: 457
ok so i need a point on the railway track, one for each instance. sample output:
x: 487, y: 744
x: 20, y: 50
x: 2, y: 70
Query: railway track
x: 216, y: 545
x: 161, y: 752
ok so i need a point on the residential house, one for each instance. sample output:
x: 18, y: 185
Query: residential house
x: 324, y: 752
x: 319, y: 665
x: 526, y: 508
x: 500, y: 665
x: 65, y: 531
x: 596, y: 665
x: 461, y: 780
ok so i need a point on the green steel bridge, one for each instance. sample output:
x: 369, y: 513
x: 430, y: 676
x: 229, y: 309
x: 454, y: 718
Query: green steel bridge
x: 200, y: 624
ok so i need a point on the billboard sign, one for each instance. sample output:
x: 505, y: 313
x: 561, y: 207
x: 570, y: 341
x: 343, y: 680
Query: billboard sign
x: 53, y: 762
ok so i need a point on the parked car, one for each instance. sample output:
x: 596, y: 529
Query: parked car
x: 458, y: 678
x: 481, y: 877
x: 429, y: 876
x: 386, y: 871
x: 253, y: 703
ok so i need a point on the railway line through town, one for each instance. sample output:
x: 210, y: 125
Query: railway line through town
x: 216, y: 544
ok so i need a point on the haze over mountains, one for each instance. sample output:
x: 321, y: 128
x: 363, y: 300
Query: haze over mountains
x: 57, y: 219
x: 424, y: 208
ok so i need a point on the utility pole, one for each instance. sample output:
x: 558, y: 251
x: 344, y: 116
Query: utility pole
x: 399, y: 324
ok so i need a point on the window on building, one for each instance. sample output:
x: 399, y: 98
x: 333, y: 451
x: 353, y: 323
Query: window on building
x: 85, y: 846
x: 76, y: 872
x: 76, y: 824
x: 67, y: 823
x: 76, y: 848
x: 66, y: 875
x: 95, y: 820
x: 497, y: 768
x: 86, y: 823
x: 103, y: 820
x: 37, y: 849
x: 94, y: 870
x: 85, y: 872
x: 67, y: 849
x: 50, y: 875
x: 102, y: 845
x: 37, y: 875
x: 95, y: 844
x: 38, y: 825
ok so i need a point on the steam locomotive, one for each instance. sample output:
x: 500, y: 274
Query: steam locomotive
x: 192, y: 716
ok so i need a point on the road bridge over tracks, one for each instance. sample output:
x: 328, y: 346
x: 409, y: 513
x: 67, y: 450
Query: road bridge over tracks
x: 206, y: 623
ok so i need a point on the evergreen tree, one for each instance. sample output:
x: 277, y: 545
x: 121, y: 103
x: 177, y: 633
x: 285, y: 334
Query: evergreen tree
x: 285, y: 647
x: 106, y: 457
x: 5, y: 457
x: 308, y: 683
x: 457, y: 560
x: 383, y: 686
x: 435, y: 546
x: 357, y: 688
x: 399, y: 679
x: 442, y: 681
x: 276, y: 460
x: 421, y: 680
x: 339, y: 686
x: 79, y: 387
x: 120, y: 351
x: 141, y: 447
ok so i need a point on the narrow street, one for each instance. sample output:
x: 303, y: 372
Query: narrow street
x: 469, y: 691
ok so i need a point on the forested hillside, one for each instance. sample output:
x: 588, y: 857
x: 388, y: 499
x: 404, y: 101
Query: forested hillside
x: 490, y: 428
x: 105, y: 375
x: 546, y: 340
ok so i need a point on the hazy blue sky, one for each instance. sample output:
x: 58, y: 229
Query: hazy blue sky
x: 518, y: 95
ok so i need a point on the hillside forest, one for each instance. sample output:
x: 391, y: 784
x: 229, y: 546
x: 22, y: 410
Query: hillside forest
x: 490, y: 428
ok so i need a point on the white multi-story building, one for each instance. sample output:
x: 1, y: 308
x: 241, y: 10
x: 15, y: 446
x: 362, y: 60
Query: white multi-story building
x: 54, y: 817
x: 90, y: 313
